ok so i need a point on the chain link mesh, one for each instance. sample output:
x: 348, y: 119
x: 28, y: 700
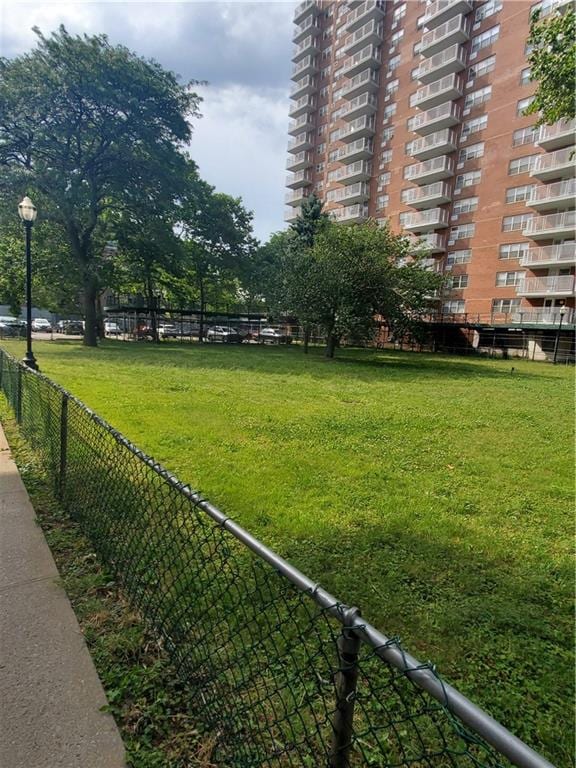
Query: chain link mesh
x: 263, y: 661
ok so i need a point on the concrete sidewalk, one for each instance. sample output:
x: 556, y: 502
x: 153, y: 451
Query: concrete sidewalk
x: 50, y: 694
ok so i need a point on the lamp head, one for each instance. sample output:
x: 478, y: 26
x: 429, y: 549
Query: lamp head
x: 27, y: 211
x: 563, y: 310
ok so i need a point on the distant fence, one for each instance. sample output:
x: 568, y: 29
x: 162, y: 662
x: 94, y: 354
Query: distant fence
x: 280, y: 673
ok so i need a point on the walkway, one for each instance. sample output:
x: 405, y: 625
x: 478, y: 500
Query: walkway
x: 50, y: 694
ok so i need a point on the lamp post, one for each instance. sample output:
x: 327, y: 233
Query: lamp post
x: 562, y: 312
x: 27, y: 212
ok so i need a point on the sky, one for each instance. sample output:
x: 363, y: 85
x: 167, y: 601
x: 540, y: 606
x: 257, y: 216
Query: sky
x: 242, y: 50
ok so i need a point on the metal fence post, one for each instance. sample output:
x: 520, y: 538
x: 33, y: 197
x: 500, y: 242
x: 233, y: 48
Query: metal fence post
x: 19, y: 394
x: 63, y: 445
x: 346, y: 679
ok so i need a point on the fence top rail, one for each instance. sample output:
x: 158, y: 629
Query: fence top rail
x: 388, y: 649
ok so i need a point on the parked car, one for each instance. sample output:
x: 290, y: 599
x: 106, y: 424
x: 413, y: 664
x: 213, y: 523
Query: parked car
x: 70, y: 327
x: 11, y: 326
x: 223, y: 334
x: 41, y: 324
x: 167, y: 331
x: 112, y: 329
x: 273, y: 336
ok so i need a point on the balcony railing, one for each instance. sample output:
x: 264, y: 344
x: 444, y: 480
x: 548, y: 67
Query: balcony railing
x: 442, y: 116
x: 359, y: 128
x: 367, y: 57
x: 558, y: 285
x: 365, y: 12
x: 307, y: 46
x: 453, y: 31
x: 357, y: 150
x: 304, y: 104
x: 551, y: 6
x: 305, y: 8
x: 292, y: 214
x: 561, y: 134
x: 365, y: 104
x: 299, y: 179
x: 544, y: 315
x: 296, y: 197
x: 440, y: 11
x: 433, y: 243
x: 448, y: 87
x: 553, y: 225
x: 303, y: 123
x: 553, y: 165
x: 434, y: 144
x: 365, y: 81
x: 300, y: 143
x: 430, y: 194
x: 550, y: 255
x: 371, y: 32
x: 434, y: 218
x: 453, y: 59
x: 308, y: 27
x: 304, y: 86
x: 350, y: 213
x: 430, y: 170
x: 361, y: 170
x: 300, y: 161
x: 558, y: 195
x: 352, y: 193
x: 307, y: 66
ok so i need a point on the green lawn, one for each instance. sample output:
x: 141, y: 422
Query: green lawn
x: 435, y: 493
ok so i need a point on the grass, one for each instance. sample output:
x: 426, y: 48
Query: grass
x: 436, y: 493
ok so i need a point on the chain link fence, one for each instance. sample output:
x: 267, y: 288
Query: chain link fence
x: 280, y: 673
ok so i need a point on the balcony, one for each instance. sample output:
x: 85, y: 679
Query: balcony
x: 556, y: 136
x: 438, y: 143
x: 368, y: 11
x: 358, y: 150
x: 367, y: 57
x: 307, y: 8
x: 300, y: 161
x: 563, y: 254
x: 428, y: 196
x: 366, y: 82
x: 304, y: 87
x: 431, y: 243
x: 308, y: 66
x: 442, y: 10
x: 299, y: 179
x: 369, y: 33
x: 296, y: 197
x: 556, y: 285
x: 303, y: 123
x: 353, y: 193
x: 308, y: 27
x: 551, y: 226
x: 548, y: 7
x: 446, y: 62
x: 544, y: 315
x: 366, y: 104
x: 555, y: 165
x: 360, y: 128
x: 351, y: 213
x: 292, y: 214
x: 303, y: 105
x: 553, y: 196
x: 361, y: 170
x: 453, y: 31
x: 447, y: 88
x: 443, y: 116
x: 426, y: 221
x: 308, y: 47
x: 300, y: 143
x: 430, y: 170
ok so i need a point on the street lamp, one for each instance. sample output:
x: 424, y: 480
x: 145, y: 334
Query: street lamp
x: 562, y: 312
x: 27, y: 212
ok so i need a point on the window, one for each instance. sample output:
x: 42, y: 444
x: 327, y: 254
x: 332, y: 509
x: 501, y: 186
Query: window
x: 467, y: 205
x: 528, y: 48
x: 485, y: 39
x: 524, y: 136
x: 384, y: 179
x: 396, y: 37
x: 513, y: 251
x: 399, y: 12
x: 453, y: 307
x: 327, y: 52
x: 458, y: 281
x: 516, y: 223
x: 392, y: 87
x: 324, y: 92
x: 474, y: 125
x: 462, y: 232
x: 459, y: 257
x: 522, y: 105
x: 468, y: 179
x: 337, y: 95
x: 388, y: 112
x: 386, y: 156
x: 324, y: 73
x: 337, y: 113
x: 471, y: 152
x: 519, y: 194
x: 521, y: 165
x: 486, y: 10
x: 322, y: 130
x: 321, y: 148
x: 333, y: 156
x: 323, y: 110
x: 382, y: 201
x: 481, y: 68
x: 525, y: 76
x: 387, y: 134
x: 474, y: 98
x: 505, y: 305
x: 319, y: 167
x: 338, y: 73
x: 508, y: 279
x: 393, y: 63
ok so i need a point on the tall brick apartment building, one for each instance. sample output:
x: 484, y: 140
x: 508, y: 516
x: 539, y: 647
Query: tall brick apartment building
x: 412, y: 112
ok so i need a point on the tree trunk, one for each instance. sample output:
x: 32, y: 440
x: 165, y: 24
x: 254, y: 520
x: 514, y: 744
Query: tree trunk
x: 90, y: 318
x: 202, y: 309
x: 331, y: 345
x: 307, y: 334
x: 153, y: 313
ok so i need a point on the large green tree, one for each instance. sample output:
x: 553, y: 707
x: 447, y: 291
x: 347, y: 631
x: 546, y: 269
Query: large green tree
x: 553, y: 65
x: 87, y: 128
